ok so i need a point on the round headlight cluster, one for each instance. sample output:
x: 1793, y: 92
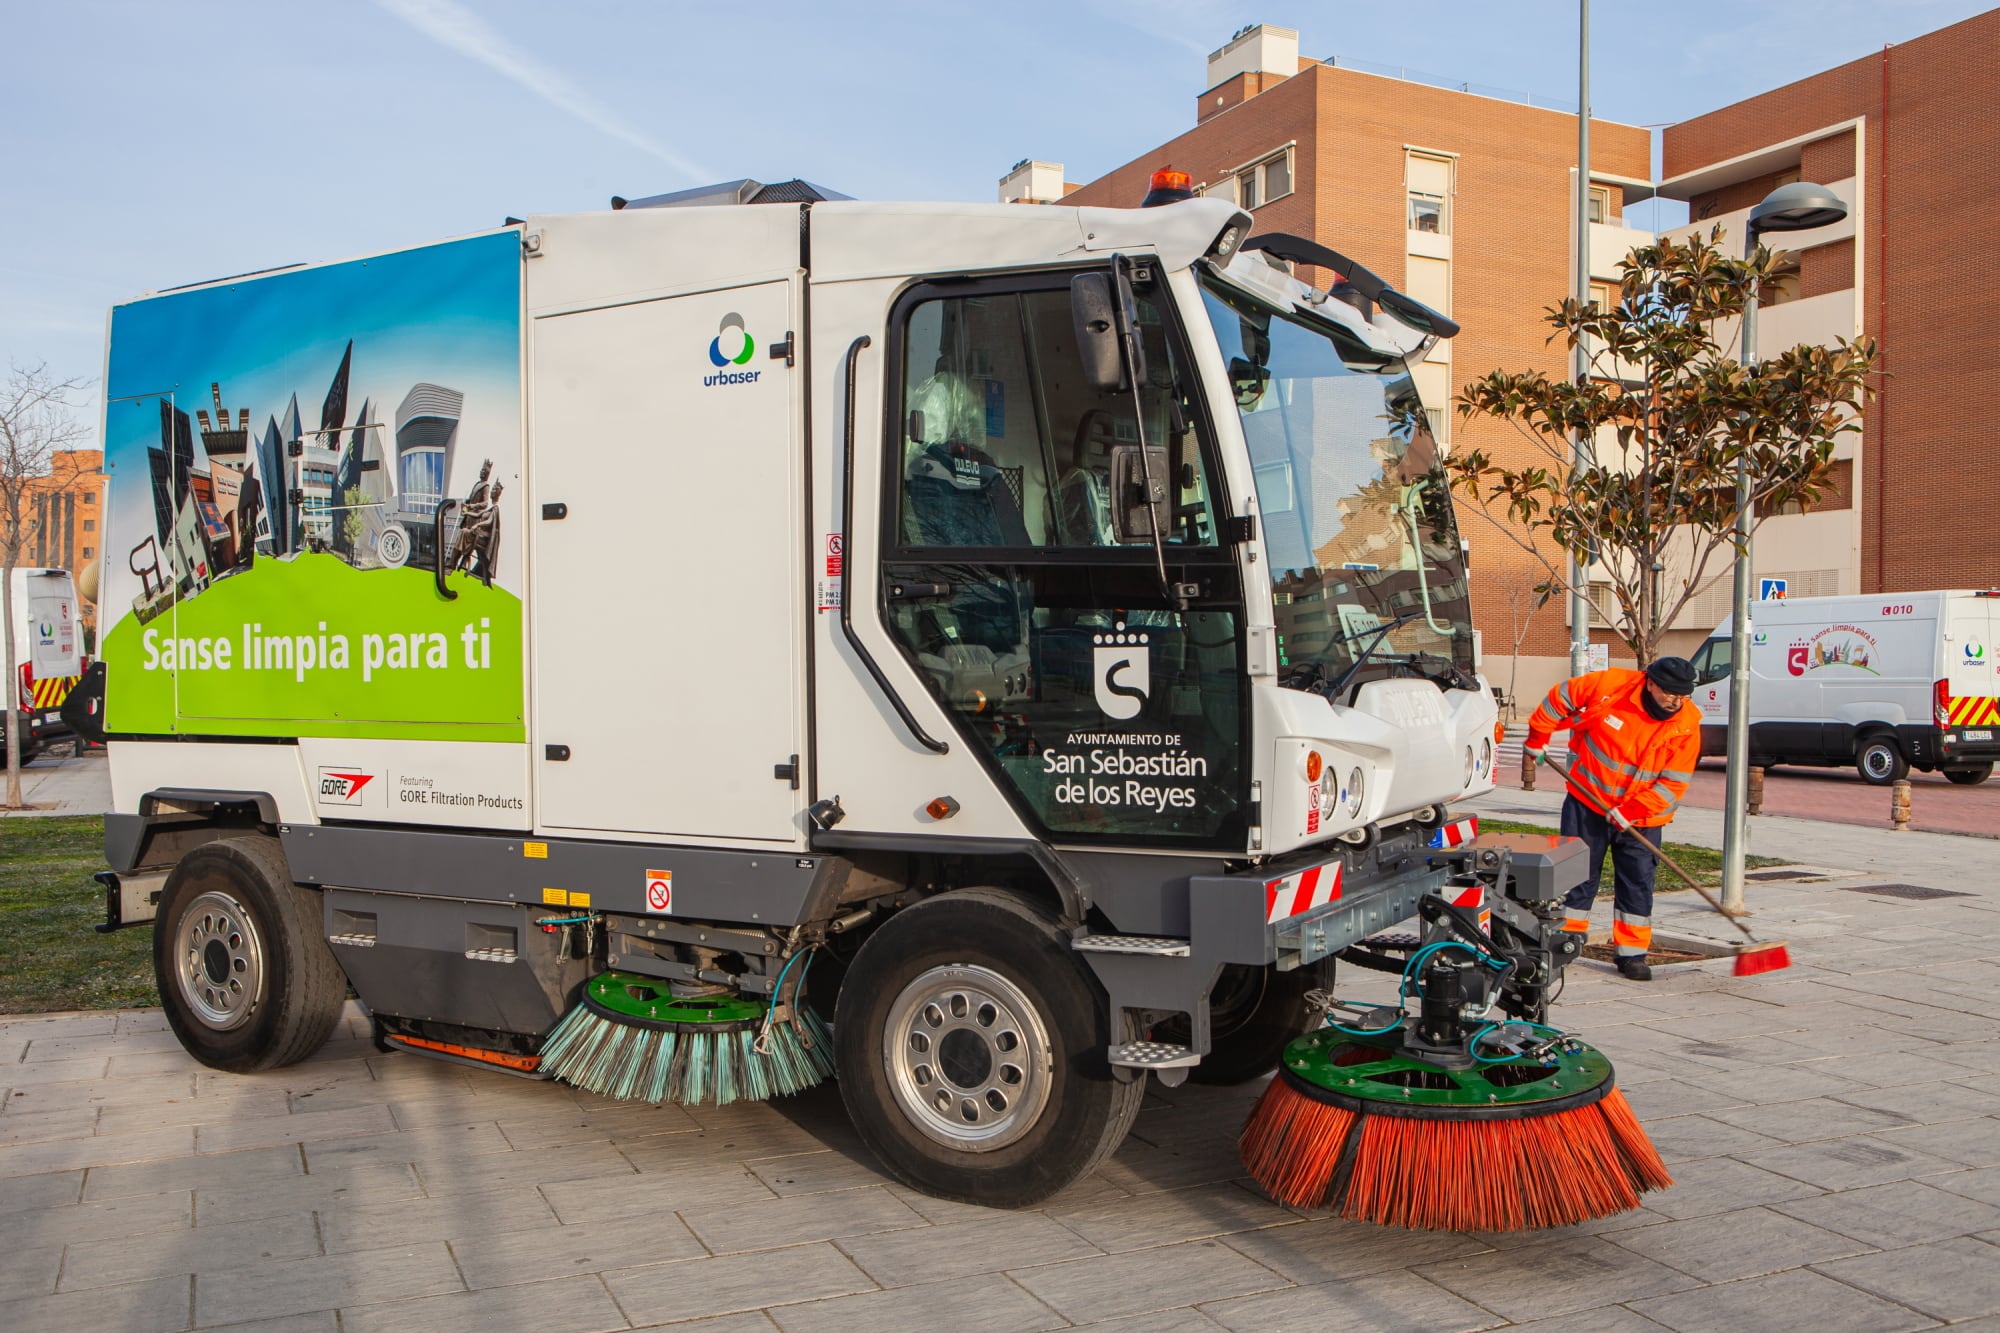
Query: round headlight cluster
x: 1353, y: 794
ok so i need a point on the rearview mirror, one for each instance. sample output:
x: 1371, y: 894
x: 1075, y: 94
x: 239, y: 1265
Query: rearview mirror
x: 1097, y: 336
x: 1140, y: 506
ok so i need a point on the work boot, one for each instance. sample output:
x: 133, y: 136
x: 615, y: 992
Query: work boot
x: 1634, y: 967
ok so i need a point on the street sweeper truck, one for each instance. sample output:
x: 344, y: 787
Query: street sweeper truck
x: 985, y: 653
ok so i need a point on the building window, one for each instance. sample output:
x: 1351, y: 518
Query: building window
x: 89, y: 551
x: 1429, y: 184
x: 90, y: 497
x: 90, y: 525
x: 1259, y: 183
x: 1599, y: 204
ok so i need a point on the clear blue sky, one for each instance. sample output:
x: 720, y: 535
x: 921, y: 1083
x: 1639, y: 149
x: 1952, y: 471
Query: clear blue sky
x: 151, y: 144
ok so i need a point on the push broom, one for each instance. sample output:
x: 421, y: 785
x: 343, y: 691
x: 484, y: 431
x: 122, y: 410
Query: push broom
x: 632, y: 1037
x: 1753, y: 957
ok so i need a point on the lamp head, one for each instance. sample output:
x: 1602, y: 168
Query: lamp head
x: 1800, y: 206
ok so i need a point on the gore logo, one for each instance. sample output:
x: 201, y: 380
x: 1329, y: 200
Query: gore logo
x: 343, y: 786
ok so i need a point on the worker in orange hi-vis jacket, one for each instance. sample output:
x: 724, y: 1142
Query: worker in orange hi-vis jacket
x: 1632, y: 750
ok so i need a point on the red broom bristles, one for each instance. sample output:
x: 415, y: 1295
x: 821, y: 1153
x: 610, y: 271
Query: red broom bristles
x: 1454, y: 1175
x: 1755, y: 959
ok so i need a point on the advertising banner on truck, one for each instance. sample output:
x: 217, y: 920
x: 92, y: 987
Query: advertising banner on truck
x: 314, y: 523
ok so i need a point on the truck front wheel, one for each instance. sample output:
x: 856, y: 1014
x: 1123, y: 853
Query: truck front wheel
x: 1880, y: 761
x: 970, y: 1042
x: 241, y: 962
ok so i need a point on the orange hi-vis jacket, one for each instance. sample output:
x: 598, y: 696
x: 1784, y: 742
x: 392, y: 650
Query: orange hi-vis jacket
x: 1620, y: 756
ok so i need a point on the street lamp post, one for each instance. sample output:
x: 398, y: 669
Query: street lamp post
x: 1579, y: 571
x: 1796, y: 207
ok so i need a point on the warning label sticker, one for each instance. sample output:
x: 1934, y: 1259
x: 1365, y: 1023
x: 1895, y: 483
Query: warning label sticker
x: 660, y: 891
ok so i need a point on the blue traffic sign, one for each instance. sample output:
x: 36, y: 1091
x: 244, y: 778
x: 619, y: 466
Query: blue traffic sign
x: 1770, y: 590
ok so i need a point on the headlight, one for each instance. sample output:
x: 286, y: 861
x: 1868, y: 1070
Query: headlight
x: 1471, y: 766
x: 1353, y: 794
x: 1485, y: 757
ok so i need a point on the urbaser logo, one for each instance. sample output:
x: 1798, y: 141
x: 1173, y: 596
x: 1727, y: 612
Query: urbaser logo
x: 343, y: 785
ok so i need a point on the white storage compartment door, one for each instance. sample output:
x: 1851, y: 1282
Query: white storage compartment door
x: 666, y: 602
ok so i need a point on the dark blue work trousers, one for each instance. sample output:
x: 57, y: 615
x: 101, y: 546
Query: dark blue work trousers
x: 1631, y: 869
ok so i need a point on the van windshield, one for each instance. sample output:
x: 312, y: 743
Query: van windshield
x: 1352, y: 497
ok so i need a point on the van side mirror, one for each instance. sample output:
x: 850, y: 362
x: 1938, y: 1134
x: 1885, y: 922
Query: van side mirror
x: 1097, y: 333
x: 1139, y: 502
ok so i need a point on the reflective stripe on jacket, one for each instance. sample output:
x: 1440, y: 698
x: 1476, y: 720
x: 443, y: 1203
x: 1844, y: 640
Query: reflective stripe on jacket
x: 1620, y: 756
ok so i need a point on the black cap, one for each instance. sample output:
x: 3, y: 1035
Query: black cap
x: 1675, y: 675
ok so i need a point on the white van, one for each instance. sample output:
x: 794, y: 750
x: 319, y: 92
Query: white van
x: 47, y: 653
x: 1885, y: 682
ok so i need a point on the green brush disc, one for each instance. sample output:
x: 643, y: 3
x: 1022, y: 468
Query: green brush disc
x: 639, y: 1001
x: 1372, y: 1077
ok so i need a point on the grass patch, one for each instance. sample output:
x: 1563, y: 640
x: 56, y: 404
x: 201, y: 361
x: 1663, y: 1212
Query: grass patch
x: 50, y: 957
x: 1704, y: 863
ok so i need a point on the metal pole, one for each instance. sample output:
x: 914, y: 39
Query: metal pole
x: 1736, y: 779
x: 1579, y: 604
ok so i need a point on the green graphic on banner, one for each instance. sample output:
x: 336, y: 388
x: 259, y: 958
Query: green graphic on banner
x: 309, y: 645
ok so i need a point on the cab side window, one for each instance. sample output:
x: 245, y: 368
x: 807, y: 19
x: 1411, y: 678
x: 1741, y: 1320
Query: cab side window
x: 1006, y: 445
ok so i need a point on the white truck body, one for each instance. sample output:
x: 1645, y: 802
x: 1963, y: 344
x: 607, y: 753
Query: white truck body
x: 48, y: 650
x: 739, y: 576
x: 1917, y: 674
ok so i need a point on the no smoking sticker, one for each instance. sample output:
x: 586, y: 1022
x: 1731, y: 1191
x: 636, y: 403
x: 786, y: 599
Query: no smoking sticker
x: 660, y: 891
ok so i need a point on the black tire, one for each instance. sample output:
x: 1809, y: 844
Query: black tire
x: 1880, y: 761
x: 1062, y: 1115
x: 1253, y: 1014
x: 241, y: 961
x: 1969, y: 777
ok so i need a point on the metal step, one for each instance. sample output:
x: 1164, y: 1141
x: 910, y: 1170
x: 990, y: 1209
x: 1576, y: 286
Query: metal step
x: 1385, y: 942
x: 355, y: 941
x: 1153, y: 1055
x: 1161, y: 946
x: 491, y: 955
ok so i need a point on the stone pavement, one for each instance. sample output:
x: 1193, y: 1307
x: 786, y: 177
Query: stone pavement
x: 1829, y: 1127
x: 63, y: 786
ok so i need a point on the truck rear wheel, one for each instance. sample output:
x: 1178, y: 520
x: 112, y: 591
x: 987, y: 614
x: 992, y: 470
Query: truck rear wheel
x: 1969, y: 777
x: 1880, y: 761
x: 970, y: 1043
x: 243, y: 968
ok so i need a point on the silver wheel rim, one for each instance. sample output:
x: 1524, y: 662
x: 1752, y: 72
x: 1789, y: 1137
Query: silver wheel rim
x: 968, y: 1057
x: 1879, y: 762
x: 219, y: 960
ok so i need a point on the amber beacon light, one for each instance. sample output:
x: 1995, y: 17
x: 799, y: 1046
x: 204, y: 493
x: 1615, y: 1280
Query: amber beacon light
x: 1169, y: 187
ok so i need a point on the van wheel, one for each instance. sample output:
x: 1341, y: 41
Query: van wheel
x: 970, y: 1042
x: 1969, y: 777
x: 1880, y: 762
x: 241, y: 962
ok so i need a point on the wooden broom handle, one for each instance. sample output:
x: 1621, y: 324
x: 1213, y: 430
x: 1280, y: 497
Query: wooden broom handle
x: 1659, y: 854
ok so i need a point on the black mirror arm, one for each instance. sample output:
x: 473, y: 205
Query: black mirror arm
x: 1128, y: 316
x: 1300, y: 250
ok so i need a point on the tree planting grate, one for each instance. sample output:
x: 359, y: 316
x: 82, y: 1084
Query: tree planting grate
x: 1801, y: 876
x: 1904, y: 891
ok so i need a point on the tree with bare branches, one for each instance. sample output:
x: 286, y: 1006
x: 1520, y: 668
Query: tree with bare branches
x: 37, y: 420
x: 1671, y: 415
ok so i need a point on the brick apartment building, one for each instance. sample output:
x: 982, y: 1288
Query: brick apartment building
x: 1464, y: 201
x: 1909, y: 137
x: 66, y: 515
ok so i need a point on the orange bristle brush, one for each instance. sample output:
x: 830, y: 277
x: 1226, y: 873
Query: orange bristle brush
x: 1508, y: 1144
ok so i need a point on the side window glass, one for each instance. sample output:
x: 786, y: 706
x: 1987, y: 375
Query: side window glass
x: 1712, y: 662
x: 1005, y: 445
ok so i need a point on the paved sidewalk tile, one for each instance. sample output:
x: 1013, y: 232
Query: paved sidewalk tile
x: 157, y: 1305
x: 565, y: 1305
x: 1907, y: 1212
x: 1314, y: 1253
x: 988, y: 1304
x: 1747, y: 1243
x: 29, y: 1270
x: 194, y: 1250
x: 1797, y: 1302
x: 1956, y: 1279
x: 773, y: 1223
x: 1086, y: 1290
x: 988, y: 1244
x: 304, y: 1285
x: 371, y: 1226
x: 1842, y: 1164
x: 1535, y: 1281
x: 587, y: 1247
x: 734, y: 1283
x: 1363, y: 1305
x: 1168, y: 1218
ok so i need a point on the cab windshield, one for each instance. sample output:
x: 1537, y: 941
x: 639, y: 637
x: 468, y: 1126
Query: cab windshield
x: 1352, y: 499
